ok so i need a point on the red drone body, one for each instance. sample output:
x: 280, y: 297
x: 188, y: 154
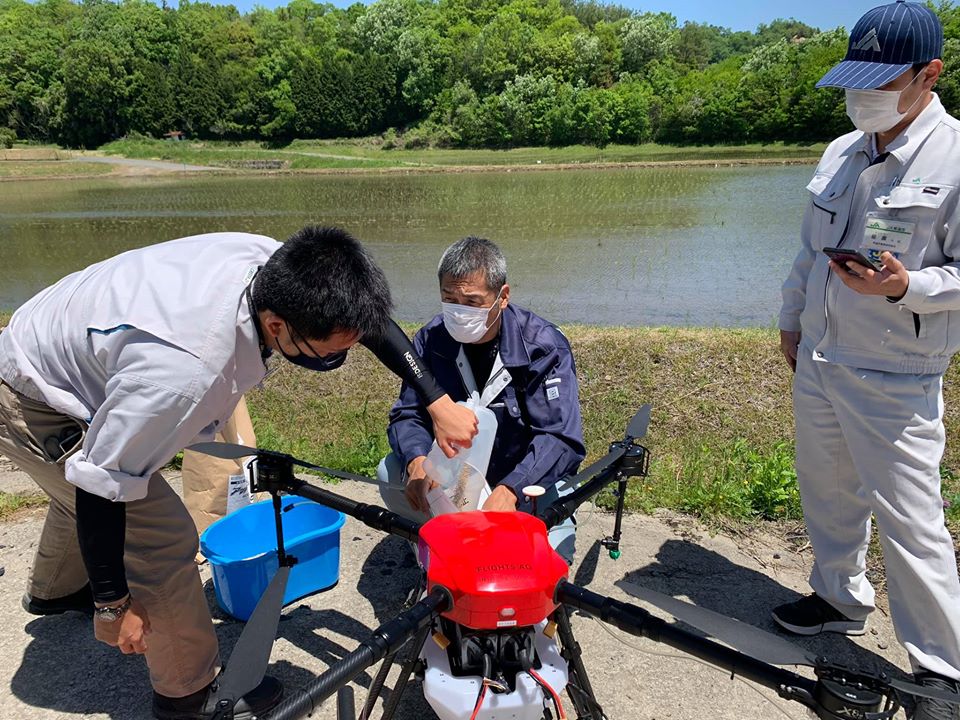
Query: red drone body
x: 498, y: 567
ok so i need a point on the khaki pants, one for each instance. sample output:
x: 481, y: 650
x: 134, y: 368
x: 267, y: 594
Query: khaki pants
x: 161, y: 542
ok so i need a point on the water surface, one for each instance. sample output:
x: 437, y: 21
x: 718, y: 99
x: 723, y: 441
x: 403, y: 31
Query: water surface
x: 649, y: 246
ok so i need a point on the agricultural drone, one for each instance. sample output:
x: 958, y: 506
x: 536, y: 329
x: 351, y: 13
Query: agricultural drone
x: 491, y: 635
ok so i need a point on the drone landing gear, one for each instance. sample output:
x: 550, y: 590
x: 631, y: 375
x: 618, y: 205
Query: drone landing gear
x: 406, y: 672
x: 578, y: 687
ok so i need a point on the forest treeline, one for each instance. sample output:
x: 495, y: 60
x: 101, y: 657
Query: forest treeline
x: 456, y: 73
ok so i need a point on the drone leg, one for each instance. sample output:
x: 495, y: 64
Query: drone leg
x: 579, y: 688
x: 403, y: 679
x: 386, y: 639
x: 612, y: 544
x: 377, y: 686
x: 345, y: 706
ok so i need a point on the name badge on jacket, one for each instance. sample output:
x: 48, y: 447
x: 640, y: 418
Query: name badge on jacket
x: 885, y: 234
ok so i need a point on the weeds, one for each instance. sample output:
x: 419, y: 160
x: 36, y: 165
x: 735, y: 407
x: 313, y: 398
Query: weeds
x: 12, y: 503
x: 741, y: 483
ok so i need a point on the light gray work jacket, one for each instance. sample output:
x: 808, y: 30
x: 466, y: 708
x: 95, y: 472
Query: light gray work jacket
x: 914, y: 187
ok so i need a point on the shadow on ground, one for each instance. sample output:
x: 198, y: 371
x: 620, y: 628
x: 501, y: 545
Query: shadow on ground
x: 711, y: 581
x: 65, y: 669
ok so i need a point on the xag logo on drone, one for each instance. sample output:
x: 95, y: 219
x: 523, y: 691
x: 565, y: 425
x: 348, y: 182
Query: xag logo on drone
x: 849, y: 712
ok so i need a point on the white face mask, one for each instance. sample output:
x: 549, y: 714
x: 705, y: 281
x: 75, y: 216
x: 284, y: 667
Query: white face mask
x: 874, y: 111
x: 468, y: 324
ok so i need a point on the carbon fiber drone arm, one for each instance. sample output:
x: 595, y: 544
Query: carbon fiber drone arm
x: 386, y: 639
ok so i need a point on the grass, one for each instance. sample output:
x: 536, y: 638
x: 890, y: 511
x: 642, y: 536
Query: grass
x: 27, y: 152
x: 572, y: 154
x: 721, y: 434
x: 368, y: 153
x: 42, y: 161
x: 45, y: 168
x: 13, y: 503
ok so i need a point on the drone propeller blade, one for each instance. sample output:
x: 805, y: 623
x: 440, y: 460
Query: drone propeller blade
x: 597, y: 467
x: 925, y: 691
x: 225, y: 451
x: 638, y: 425
x: 741, y: 636
x: 250, y: 656
x: 342, y: 474
x: 232, y: 451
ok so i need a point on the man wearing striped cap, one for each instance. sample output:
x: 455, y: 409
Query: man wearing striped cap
x: 869, y: 340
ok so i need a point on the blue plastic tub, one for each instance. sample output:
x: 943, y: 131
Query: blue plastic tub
x: 242, y: 550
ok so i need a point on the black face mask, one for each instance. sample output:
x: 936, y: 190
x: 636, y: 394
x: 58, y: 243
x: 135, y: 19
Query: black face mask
x: 318, y: 364
x: 321, y: 363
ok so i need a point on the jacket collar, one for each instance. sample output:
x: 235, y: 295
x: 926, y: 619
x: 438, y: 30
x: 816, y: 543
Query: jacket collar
x: 907, y: 143
x: 513, y: 350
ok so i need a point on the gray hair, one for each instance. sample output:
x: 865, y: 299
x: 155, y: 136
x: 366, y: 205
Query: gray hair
x: 471, y: 255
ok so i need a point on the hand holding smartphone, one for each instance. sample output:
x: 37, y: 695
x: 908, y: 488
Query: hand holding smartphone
x: 841, y: 256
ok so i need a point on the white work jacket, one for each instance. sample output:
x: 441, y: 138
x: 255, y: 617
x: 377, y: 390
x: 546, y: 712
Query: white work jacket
x: 151, y: 350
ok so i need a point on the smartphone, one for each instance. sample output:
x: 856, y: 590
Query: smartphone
x: 842, y: 256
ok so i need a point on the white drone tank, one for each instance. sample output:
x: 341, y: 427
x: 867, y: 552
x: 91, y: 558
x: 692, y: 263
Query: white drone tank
x: 454, y: 698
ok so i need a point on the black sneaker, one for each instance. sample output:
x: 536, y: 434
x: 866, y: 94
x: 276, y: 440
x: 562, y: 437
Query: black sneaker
x: 81, y: 601
x: 201, y: 704
x: 811, y: 615
x: 930, y: 708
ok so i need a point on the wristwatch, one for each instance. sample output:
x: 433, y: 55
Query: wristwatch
x: 112, y: 614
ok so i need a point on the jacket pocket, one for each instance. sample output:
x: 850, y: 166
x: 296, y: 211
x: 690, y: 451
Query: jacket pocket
x: 831, y: 199
x: 921, y: 206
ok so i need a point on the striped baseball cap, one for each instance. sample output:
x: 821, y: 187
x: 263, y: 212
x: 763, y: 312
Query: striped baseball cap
x: 885, y: 43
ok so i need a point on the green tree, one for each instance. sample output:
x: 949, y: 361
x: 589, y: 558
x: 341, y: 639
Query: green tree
x: 94, y: 82
x: 648, y: 37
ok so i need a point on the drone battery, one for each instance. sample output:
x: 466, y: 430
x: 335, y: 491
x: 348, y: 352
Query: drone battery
x: 498, y: 566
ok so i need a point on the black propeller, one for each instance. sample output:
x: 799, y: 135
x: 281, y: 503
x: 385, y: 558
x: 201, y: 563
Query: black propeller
x: 748, y: 639
x: 597, y: 467
x: 251, y: 654
x: 638, y: 425
x: 758, y: 643
x: 232, y: 451
x: 636, y: 429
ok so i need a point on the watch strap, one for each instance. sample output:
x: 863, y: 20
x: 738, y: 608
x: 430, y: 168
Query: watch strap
x: 112, y: 613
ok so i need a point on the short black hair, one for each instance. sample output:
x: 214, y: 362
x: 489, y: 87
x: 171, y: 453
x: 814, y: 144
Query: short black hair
x: 321, y: 281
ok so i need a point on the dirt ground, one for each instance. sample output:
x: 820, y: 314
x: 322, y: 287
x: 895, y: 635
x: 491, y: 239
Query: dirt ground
x: 51, y: 668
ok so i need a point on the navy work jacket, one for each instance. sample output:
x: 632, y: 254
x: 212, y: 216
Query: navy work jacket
x: 539, y: 430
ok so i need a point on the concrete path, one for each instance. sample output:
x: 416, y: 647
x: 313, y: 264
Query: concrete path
x: 146, y: 164
x: 52, y: 668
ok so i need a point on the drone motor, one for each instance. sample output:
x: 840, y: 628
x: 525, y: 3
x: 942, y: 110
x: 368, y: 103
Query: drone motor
x: 844, y: 694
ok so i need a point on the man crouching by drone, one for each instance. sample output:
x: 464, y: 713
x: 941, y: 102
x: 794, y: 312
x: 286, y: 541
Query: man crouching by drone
x: 107, y: 374
x: 523, y: 370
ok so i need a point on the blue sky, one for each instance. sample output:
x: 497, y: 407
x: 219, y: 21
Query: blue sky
x: 735, y: 14
x: 747, y: 14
